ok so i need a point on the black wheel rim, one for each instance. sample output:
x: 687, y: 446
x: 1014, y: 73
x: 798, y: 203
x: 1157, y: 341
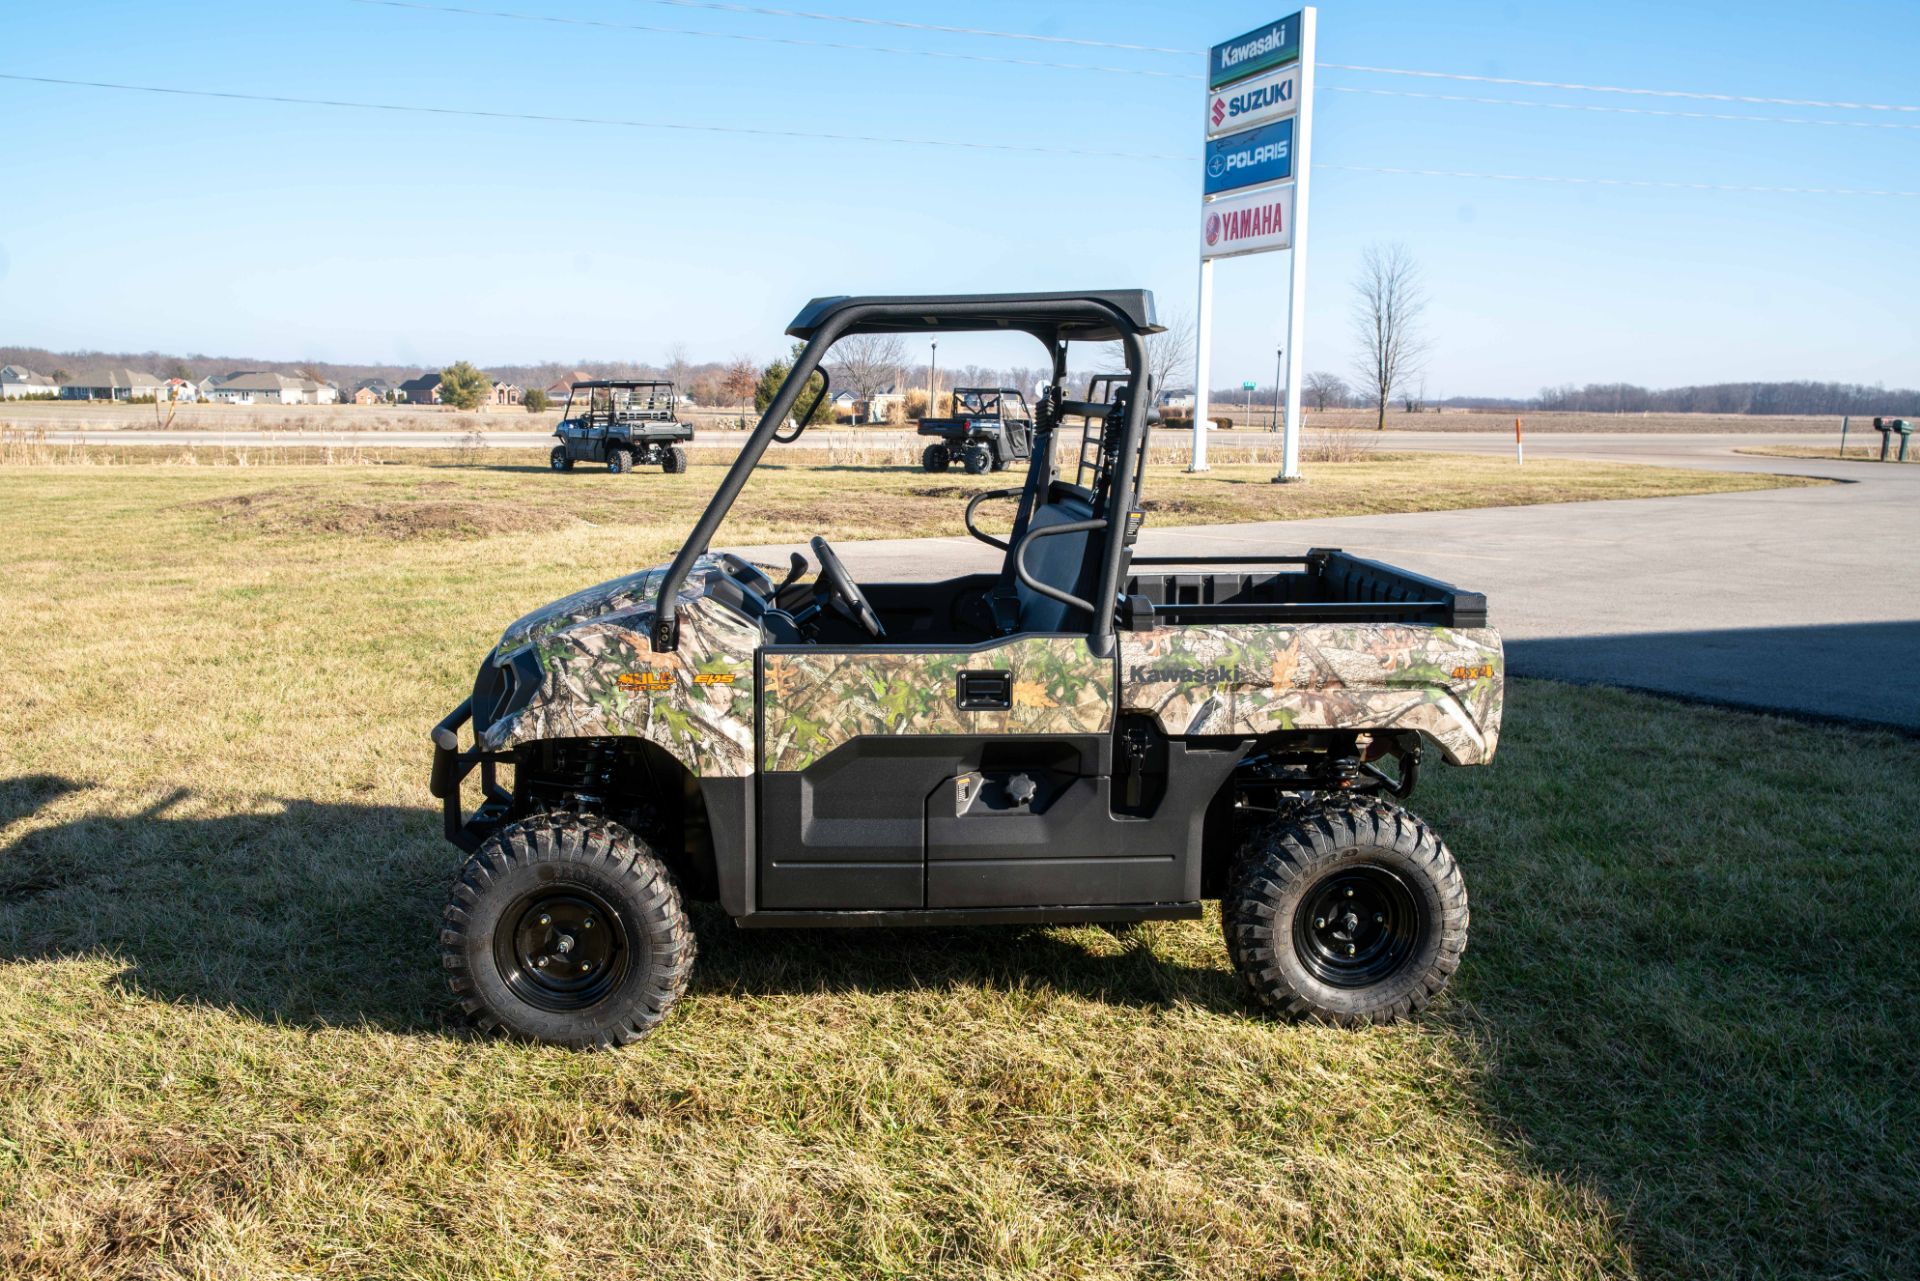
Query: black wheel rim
x: 1357, y: 926
x: 562, y: 949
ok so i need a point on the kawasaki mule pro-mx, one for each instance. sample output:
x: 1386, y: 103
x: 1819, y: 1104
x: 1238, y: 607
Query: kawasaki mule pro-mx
x: 1083, y: 735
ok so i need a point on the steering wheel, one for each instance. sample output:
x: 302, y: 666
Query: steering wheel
x: 845, y: 592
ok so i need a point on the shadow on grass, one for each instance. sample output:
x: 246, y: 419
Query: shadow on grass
x: 327, y: 916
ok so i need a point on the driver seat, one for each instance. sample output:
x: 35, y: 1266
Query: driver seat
x: 1066, y: 562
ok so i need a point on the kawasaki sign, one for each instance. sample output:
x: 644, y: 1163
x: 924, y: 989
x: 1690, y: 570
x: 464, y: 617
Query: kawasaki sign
x: 1247, y: 103
x: 1263, y: 47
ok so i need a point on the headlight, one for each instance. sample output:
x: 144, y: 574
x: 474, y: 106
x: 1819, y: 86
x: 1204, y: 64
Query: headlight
x: 506, y: 684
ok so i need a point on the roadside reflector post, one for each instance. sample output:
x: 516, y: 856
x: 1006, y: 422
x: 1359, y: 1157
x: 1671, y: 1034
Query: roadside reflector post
x: 1519, y: 450
x: 1844, y: 419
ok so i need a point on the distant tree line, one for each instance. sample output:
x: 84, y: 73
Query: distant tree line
x: 1731, y: 398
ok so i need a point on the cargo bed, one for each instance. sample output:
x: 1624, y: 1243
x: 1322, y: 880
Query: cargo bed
x: 1325, y: 585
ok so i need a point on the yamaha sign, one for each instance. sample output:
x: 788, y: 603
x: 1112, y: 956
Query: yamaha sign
x: 1247, y: 223
x: 1264, y: 98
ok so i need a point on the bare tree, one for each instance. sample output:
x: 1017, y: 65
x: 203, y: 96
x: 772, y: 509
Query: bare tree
x: 1387, y: 306
x: 1169, y: 354
x: 678, y: 369
x: 1325, y: 389
x: 867, y: 364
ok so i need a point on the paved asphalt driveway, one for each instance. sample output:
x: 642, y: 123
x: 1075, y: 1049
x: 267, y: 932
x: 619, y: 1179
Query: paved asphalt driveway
x: 1804, y: 600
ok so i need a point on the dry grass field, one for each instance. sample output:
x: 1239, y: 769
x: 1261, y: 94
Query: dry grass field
x: 862, y: 491
x: 1680, y: 1045
x: 296, y: 418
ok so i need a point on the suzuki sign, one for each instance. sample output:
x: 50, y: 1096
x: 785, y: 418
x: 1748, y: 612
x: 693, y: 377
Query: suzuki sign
x: 1249, y: 158
x: 1247, y: 222
x: 1272, y: 96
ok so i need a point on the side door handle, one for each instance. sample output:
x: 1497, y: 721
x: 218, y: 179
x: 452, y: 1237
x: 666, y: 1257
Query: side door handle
x: 984, y: 691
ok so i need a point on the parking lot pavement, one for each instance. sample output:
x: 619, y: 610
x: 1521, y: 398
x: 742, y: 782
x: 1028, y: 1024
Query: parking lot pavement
x: 1801, y: 600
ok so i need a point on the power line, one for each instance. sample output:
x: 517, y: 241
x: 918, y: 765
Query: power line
x: 902, y: 25
x: 1623, y: 182
x: 719, y: 6
x: 1625, y: 111
x: 1334, y: 66
x: 676, y: 126
x: 475, y: 113
x: 1652, y: 93
x: 786, y: 40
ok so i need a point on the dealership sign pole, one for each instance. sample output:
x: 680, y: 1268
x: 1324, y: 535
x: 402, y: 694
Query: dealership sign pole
x: 1254, y: 191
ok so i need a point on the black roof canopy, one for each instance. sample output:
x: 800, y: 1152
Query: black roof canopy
x: 591, y: 383
x: 1094, y: 315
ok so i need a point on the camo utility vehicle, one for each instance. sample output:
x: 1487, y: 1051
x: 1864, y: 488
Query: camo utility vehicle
x: 1084, y: 734
x: 990, y: 430
x: 621, y: 422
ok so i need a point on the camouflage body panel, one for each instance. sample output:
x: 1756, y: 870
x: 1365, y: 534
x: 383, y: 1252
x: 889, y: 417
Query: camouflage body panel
x: 1254, y: 678
x: 601, y: 677
x: 815, y: 701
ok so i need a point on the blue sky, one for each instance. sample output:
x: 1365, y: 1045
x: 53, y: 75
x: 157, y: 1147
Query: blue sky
x: 304, y: 232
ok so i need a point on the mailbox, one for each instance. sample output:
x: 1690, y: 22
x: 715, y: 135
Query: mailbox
x: 1890, y: 427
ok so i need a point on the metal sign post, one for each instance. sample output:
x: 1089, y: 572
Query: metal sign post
x: 1254, y: 192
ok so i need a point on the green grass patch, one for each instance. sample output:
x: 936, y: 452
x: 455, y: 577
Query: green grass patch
x: 1680, y: 1044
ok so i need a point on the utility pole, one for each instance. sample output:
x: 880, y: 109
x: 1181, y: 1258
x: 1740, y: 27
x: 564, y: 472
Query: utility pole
x: 933, y: 366
x: 1277, y: 353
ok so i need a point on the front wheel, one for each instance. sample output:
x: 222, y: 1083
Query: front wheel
x: 558, y: 459
x: 568, y: 929
x: 675, y: 461
x: 1347, y: 912
x: 619, y: 461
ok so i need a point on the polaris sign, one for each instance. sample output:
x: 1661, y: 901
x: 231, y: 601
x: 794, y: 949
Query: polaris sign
x: 1249, y: 158
x: 1253, y: 102
x: 1264, y: 47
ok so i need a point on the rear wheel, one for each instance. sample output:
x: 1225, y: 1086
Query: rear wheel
x: 619, y: 461
x: 1347, y: 912
x: 978, y: 460
x: 558, y: 459
x: 675, y: 461
x: 935, y: 458
x: 567, y: 929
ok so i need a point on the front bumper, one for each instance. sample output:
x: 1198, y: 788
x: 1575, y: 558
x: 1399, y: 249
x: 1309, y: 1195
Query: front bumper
x: 451, y: 765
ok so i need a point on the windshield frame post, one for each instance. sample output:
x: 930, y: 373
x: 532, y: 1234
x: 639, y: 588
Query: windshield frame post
x: 666, y: 627
x: 1120, y: 499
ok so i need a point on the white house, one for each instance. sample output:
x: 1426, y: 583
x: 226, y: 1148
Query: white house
x: 256, y: 388
x: 16, y: 382
x: 113, y: 384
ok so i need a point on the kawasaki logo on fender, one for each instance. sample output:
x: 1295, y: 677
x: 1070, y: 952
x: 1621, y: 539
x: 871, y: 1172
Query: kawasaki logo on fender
x: 1253, y: 102
x: 1264, y: 47
x: 1171, y: 674
x: 1250, y: 157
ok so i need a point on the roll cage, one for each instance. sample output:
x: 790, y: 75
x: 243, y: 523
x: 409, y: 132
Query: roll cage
x: 1053, y: 319
x: 609, y: 402
x: 995, y: 403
